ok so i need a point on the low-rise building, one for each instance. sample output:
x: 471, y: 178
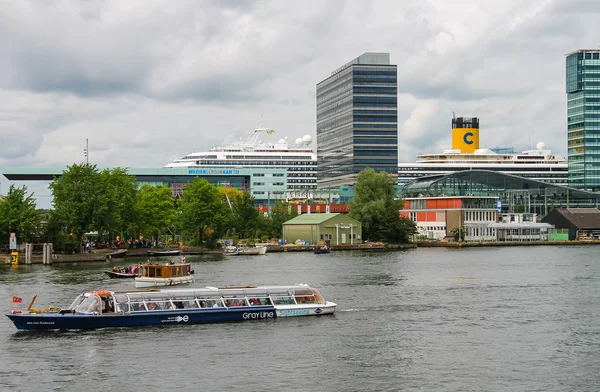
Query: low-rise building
x: 338, y: 229
x: 520, y: 227
x: 581, y: 223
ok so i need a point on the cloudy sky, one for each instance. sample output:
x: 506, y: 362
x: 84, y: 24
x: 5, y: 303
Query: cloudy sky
x: 146, y: 81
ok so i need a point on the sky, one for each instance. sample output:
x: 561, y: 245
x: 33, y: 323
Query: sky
x: 150, y: 80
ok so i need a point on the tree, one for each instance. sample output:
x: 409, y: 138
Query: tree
x: 458, y: 233
x: 79, y: 205
x: 119, y: 191
x: 155, y: 207
x: 375, y: 205
x: 280, y: 213
x: 202, y: 212
x: 18, y: 215
x: 245, y: 215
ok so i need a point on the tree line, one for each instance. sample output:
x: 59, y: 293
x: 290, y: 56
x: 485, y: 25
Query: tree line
x: 112, y: 203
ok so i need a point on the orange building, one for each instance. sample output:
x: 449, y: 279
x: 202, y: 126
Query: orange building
x: 436, y: 217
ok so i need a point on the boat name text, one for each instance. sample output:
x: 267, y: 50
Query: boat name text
x: 258, y: 315
x: 294, y: 312
x: 213, y: 171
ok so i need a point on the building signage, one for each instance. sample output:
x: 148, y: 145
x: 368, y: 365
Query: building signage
x: 13, y: 241
x: 213, y: 171
x: 499, y: 204
x: 340, y: 69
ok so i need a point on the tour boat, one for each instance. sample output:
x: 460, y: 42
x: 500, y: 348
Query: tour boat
x: 114, y: 309
x: 154, y: 275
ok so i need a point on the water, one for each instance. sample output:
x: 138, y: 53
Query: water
x: 481, y: 319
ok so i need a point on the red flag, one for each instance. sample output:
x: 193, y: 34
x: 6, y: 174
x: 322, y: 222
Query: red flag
x: 17, y: 299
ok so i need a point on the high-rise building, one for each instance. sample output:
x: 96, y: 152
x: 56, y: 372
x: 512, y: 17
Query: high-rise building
x: 357, y: 120
x: 583, y: 118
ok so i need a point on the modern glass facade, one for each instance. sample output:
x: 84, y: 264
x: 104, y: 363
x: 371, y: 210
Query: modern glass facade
x: 583, y: 118
x: 357, y: 120
x: 536, y: 196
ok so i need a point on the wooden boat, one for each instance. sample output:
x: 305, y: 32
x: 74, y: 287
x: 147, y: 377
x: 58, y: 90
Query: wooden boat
x: 122, y: 253
x: 175, y: 252
x: 322, y: 249
x: 123, y: 272
x: 245, y: 251
x: 115, y: 309
x: 153, y: 275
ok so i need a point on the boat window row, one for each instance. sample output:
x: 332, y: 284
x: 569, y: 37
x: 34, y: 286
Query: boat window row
x: 141, y: 302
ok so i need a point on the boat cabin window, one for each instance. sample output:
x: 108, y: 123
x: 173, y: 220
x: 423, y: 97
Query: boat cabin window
x: 184, y: 301
x: 304, y: 296
x: 280, y: 299
x: 90, y: 305
x: 209, y: 301
x: 76, y: 302
x: 122, y: 303
x: 158, y: 271
x: 136, y: 303
x: 158, y: 301
x: 235, y: 300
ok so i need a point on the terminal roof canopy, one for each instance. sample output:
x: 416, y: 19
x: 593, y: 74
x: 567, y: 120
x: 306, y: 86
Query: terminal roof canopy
x: 491, y: 183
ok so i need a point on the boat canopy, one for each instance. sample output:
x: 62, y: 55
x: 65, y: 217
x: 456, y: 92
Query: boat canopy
x: 105, y: 301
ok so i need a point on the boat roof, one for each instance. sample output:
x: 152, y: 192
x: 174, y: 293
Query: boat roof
x: 180, y: 291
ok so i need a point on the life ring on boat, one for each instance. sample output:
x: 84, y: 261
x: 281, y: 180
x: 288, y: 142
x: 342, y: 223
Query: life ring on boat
x: 101, y: 292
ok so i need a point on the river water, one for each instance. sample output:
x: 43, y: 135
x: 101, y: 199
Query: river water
x: 479, y: 319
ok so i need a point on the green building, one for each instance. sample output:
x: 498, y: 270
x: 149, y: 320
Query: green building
x: 338, y: 229
x: 583, y: 118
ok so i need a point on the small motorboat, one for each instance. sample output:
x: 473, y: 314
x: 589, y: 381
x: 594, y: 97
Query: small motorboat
x: 170, y: 274
x: 322, y: 249
x: 123, y: 272
x: 245, y: 251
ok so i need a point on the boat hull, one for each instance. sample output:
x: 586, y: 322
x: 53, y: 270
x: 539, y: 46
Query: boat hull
x: 56, y: 321
x: 164, y: 253
x: 141, y: 281
x: 258, y: 251
x: 119, y: 275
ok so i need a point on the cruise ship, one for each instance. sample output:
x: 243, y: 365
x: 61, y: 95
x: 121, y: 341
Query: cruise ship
x: 537, y: 164
x: 298, y: 159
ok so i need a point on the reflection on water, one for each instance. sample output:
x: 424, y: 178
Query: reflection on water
x: 427, y: 319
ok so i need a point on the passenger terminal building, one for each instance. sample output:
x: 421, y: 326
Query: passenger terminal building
x: 266, y: 185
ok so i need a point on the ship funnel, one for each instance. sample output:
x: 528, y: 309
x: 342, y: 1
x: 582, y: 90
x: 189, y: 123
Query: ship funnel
x: 465, y: 134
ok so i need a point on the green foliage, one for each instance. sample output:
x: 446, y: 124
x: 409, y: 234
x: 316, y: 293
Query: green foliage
x: 375, y: 205
x: 87, y: 200
x: 245, y: 217
x: 202, y: 212
x: 280, y: 213
x: 119, y: 191
x: 155, y: 207
x: 458, y: 233
x: 19, y: 215
x: 520, y: 208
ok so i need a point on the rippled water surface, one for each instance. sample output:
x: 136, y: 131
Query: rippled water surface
x: 481, y: 319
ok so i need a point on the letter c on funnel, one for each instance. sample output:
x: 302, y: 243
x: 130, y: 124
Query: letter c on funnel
x: 467, y: 138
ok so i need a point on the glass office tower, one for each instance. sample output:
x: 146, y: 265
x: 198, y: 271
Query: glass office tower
x: 583, y: 118
x: 357, y: 120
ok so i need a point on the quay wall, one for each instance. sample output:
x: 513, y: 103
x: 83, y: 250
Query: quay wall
x: 98, y: 256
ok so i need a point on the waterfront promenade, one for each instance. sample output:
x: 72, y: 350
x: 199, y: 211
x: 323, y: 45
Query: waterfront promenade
x: 142, y: 253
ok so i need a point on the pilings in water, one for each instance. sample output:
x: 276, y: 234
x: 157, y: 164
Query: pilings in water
x: 28, y: 253
x: 47, y: 253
